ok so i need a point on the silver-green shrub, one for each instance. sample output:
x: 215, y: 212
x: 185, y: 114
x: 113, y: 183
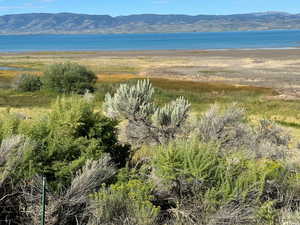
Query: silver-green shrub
x: 227, y: 127
x: 147, y: 122
x: 289, y: 217
x: 11, y: 151
x: 231, y: 131
x: 69, y: 206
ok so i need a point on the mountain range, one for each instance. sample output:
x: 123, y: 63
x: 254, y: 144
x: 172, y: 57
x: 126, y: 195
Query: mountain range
x: 70, y: 23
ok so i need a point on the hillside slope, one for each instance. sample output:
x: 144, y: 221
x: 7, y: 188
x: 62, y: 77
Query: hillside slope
x: 81, y: 23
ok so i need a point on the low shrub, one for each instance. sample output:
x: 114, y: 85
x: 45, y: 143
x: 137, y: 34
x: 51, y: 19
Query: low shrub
x: 253, y: 181
x: 267, y: 213
x: 27, y: 82
x: 12, y: 150
x: 70, y: 205
x: 190, y: 169
x: 271, y: 132
x: 231, y: 131
x: 9, y: 125
x: 289, y: 216
x: 185, y: 166
x: 225, y: 127
x: 147, y: 123
x: 68, y: 78
x: 71, y: 133
x: 124, y: 203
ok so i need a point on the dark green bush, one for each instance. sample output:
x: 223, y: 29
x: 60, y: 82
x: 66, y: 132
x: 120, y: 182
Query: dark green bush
x: 27, y: 82
x: 68, y: 78
x: 68, y: 136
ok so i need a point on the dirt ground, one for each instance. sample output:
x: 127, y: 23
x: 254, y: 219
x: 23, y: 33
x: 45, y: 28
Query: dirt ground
x: 279, y: 69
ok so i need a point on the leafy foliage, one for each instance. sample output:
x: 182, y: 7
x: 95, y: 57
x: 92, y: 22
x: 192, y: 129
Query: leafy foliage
x: 185, y: 166
x: 9, y: 125
x: 27, y: 82
x: 68, y: 78
x: 192, y: 170
x: 68, y: 136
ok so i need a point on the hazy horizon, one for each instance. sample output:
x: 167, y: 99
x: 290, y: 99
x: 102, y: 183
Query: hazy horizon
x: 129, y: 7
x: 70, y: 12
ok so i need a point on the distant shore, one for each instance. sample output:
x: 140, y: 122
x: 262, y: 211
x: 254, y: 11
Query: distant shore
x: 278, y: 69
x: 283, y: 53
x: 144, y: 32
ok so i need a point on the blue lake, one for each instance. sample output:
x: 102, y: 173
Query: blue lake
x: 179, y: 41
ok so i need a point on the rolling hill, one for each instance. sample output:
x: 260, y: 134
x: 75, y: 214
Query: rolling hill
x: 46, y: 23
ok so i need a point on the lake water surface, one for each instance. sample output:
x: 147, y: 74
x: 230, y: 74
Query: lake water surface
x: 179, y: 41
x: 12, y: 68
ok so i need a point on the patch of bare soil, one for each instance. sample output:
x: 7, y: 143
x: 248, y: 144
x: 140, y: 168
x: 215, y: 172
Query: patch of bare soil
x: 277, y: 69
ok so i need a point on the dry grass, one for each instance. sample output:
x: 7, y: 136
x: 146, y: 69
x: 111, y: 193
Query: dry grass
x: 8, y: 73
x: 204, y: 77
x: 116, y: 78
x: 246, y: 68
x: 195, y: 86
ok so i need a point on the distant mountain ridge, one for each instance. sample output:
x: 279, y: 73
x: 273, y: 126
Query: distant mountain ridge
x: 69, y: 23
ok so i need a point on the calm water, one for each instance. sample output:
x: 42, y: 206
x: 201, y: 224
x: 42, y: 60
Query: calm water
x: 214, y: 40
x: 12, y: 68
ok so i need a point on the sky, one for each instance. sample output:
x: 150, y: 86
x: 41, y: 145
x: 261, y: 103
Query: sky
x: 127, y: 7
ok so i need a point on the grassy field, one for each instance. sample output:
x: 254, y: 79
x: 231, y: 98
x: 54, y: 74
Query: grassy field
x: 203, y: 79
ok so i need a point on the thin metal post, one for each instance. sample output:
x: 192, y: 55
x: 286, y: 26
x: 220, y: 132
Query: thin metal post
x: 43, y: 198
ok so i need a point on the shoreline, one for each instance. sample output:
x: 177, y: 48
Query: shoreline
x: 84, y: 32
x: 273, y: 68
x: 145, y: 50
x: 266, y: 53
